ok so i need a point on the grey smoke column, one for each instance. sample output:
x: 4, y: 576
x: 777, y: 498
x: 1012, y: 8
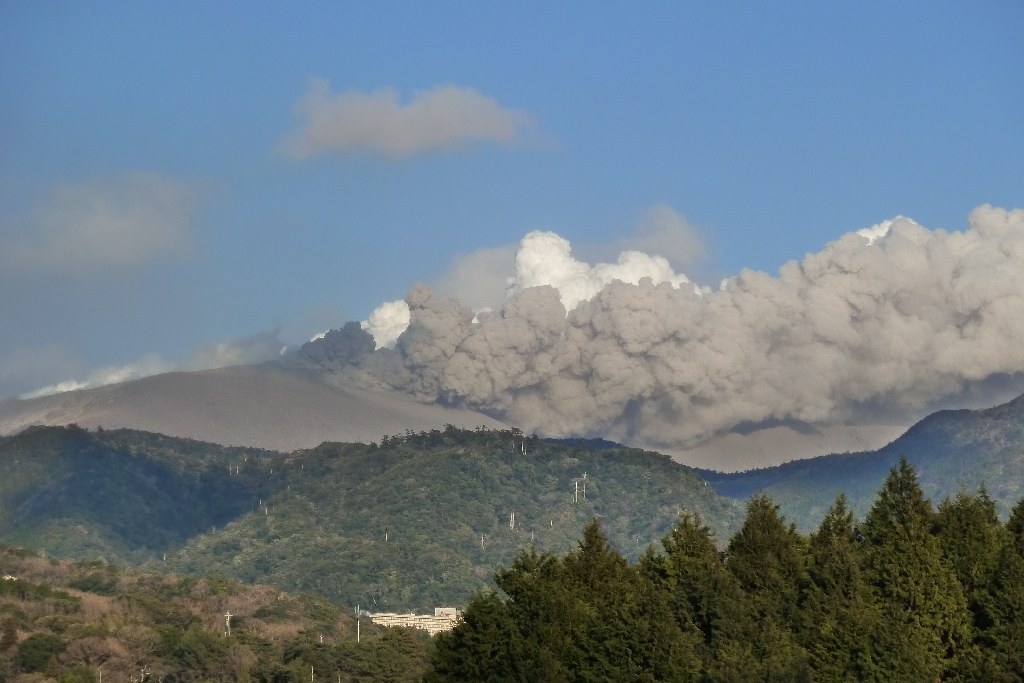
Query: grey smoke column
x: 870, y: 323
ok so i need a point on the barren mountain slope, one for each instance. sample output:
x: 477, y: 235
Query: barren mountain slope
x: 265, y: 406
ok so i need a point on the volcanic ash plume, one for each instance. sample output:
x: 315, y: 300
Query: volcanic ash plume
x: 885, y: 321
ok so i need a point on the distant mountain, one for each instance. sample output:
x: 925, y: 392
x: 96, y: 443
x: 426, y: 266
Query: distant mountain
x: 265, y: 406
x: 417, y: 520
x: 305, y: 400
x: 950, y: 449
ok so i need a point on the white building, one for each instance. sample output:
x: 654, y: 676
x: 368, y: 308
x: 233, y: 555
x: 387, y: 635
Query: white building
x: 443, y: 619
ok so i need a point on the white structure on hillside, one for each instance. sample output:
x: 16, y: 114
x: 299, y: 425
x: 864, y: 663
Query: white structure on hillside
x: 443, y: 619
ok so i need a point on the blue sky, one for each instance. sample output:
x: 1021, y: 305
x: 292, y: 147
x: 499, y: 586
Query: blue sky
x: 154, y: 202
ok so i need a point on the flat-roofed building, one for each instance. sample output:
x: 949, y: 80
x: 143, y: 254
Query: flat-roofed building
x: 443, y: 619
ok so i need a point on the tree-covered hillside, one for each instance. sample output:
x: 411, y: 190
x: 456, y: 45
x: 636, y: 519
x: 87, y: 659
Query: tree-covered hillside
x: 416, y: 521
x: 425, y: 519
x: 953, y: 450
x: 906, y: 594
x: 121, y: 495
x: 89, y: 623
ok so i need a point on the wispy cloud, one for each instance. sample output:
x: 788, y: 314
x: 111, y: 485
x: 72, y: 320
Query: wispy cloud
x: 123, y: 222
x: 29, y: 368
x: 443, y: 117
x: 52, y: 365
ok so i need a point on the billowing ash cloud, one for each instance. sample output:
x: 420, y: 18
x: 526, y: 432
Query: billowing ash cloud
x: 886, y: 321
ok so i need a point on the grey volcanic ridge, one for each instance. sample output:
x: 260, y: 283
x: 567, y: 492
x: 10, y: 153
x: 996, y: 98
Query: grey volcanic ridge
x: 265, y: 406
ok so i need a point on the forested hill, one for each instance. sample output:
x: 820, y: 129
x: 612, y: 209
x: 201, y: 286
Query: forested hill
x: 419, y: 520
x: 425, y: 519
x: 120, y: 495
x: 951, y: 449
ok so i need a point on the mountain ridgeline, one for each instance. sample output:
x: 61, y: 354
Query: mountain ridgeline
x: 415, y: 521
x: 119, y: 495
x: 951, y: 450
x: 426, y: 518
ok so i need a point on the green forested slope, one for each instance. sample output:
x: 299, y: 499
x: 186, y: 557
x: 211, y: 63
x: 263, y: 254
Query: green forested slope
x: 424, y: 519
x: 121, y: 495
x: 909, y: 594
x: 417, y: 521
x: 951, y: 449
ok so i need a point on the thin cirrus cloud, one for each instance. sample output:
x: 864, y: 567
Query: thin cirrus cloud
x: 122, y: 223
x: 440, y: 118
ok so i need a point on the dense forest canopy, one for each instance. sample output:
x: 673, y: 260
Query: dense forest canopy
x: 908, y: 593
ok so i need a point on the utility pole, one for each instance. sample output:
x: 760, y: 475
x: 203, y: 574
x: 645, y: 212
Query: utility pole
x: 227, y: 622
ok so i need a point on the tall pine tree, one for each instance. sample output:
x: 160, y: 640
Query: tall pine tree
x: 1005, y: 636
x: 925, y: 623
x: 704, y: 598
x: 839, y: 613
x: 768, y: 558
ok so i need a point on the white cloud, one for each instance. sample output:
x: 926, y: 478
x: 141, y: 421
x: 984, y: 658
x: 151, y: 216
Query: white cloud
x: 545, y: 258
x: 387, y: 322
x: 443, y: 117
x: 880, y: 230
x: 123, y: 222
x: 487, y: 279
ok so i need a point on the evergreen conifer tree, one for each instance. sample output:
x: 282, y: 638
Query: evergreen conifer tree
x: 704, y: 597
x: 839, y: 612
x: 481, y: 648
x: 1004, y: 639
x: 925, y: 621
x: 629, y: 633
x: 768, y: 558
x: 972, y: 538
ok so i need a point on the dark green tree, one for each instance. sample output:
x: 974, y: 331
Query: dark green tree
x: 838, y: 611
x: 925, y: 625
x: 704, y: 598
x: 768, y: 558
x: 972, y: 540
x: 589, y: 616
x: 36, y: 651
x: 1003, y: 640
x: 627, y: 633
x: 483, y: 647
